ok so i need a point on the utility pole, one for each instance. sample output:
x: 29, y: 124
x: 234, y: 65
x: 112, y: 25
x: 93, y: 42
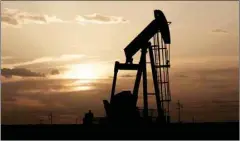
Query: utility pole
x: 179, y: 110
x: 41, y: 121
x: 77, y: 120
x: 50, y: 117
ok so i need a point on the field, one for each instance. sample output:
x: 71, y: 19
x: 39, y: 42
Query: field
x: 216, y: 131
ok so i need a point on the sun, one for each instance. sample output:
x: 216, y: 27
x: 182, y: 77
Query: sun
x: 81, y: 71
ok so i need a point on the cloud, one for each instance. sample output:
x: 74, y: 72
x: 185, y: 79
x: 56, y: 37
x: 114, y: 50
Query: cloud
x: 62, y: 58
x: 182, y: 75
x: 16, y: 17
x: 201, y: 100
x: 6, y: 57
x: 55, y: 72
x: 3, y: 58
x: 219, y: 31
x: 100, y: 19
x: 8, y: 73
x: 54, y: 94
x: 223, y: 101
x: 128, y: 75
x: 23, y: 101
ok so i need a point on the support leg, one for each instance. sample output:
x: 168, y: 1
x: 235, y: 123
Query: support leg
x: 114, y: 80
x: 156, y: 87
x: 145, y: 93
x: 136, y: 85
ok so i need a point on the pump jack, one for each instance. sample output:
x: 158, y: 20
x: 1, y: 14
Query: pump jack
x: 123, y: 106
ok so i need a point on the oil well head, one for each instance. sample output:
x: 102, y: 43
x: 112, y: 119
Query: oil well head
x: 122, y: 109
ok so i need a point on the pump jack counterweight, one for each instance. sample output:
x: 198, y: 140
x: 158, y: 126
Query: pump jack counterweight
x: 122, y: 107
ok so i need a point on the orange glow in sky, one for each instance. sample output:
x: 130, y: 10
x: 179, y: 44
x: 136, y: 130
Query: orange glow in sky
x: 81, y: 71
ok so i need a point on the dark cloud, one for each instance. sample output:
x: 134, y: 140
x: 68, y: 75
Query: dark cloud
x: 48, y: 61
x: 55, y: 72
x: 182, y: 75
x: 228, y: 70
x: 125, y: 76
x: 8, y: 73
x: 9, y: 20
x: 128, y: 75
x: 219, y: 31
x: 223, y: 101
x: 35, y: 98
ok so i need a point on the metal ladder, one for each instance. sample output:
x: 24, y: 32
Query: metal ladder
x: 162, y: 64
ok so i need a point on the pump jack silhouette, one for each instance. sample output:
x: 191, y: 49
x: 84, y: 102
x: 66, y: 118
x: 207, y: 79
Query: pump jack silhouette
x: 122, y: 107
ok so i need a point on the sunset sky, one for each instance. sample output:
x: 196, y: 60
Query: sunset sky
x: 59, y: 56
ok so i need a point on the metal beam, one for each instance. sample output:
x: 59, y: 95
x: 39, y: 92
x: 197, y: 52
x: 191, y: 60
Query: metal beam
x: 123, y: 66
x: 160, y: 23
